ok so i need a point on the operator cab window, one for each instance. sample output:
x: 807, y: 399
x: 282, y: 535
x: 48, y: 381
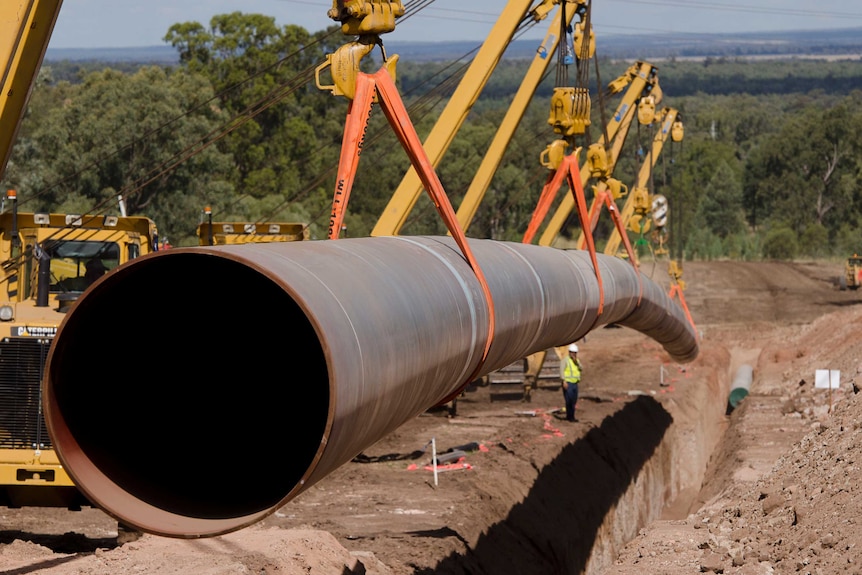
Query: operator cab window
x: 75, y: 264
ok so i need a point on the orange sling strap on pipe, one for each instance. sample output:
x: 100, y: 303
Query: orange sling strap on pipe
x: 568, y: 169
x: 675, y: 290
x: 351, y: 147
x: 555, y: 180
x: 608, y: 200
x: 396, y: 113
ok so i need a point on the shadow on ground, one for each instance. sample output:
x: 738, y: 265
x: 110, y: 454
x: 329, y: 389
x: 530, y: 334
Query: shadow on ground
x: 65, y: 543
x: 553, y: 530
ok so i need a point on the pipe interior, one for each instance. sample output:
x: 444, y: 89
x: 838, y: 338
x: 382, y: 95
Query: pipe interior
x: 196, y: 384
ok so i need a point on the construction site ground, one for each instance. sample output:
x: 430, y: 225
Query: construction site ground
x: 657, y: 476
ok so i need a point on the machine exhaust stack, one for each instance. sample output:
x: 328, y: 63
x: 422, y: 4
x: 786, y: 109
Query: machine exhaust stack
x: 271, y: 365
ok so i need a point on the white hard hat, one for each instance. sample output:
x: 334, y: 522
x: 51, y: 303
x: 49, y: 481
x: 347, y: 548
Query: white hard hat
x: 573, y: 348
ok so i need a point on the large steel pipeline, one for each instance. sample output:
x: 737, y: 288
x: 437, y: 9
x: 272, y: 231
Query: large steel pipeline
x: 740, y: 386
x: 268, y: 366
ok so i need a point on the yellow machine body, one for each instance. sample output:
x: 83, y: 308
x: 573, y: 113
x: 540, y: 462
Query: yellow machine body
x: 231, y: 233
x: 45, y: 258
x: 852, y: 278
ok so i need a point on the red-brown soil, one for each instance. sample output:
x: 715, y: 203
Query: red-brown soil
x: 654, y: 478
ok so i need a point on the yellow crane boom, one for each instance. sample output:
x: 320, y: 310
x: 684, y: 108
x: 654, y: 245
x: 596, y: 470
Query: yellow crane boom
x: 402, y: 201
x: 669, y: 118
x: 491, y: 161
x: 25, y: 29
x: 641, y: 78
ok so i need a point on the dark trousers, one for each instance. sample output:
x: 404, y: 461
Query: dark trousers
x: 571, y: 397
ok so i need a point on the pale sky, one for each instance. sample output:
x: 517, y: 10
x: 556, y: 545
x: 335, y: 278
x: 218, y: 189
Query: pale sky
x: 122, y: 23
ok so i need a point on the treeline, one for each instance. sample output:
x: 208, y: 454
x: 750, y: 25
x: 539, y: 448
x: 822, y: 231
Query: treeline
x: 708, y: 76
x: 769, y: 167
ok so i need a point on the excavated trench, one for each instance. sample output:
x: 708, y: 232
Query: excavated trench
x: 645, y: 462
x: 669, y: 482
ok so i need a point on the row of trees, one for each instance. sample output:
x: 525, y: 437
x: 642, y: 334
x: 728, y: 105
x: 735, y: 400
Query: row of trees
x: 240, y: 126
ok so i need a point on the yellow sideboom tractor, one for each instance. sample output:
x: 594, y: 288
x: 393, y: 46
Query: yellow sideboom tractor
x: 229, y: 233
x: 48, y: 260
x: 852, y: 277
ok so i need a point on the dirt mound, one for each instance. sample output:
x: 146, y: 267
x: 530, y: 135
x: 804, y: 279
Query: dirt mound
x: 782, y: 493
x: 253, y: 550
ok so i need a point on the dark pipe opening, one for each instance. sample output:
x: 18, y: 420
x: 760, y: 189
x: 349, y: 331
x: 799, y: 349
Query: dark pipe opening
x: 195, y: 383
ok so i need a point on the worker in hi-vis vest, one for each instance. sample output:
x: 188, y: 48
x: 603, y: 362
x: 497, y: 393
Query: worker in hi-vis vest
x: 570, y: 374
